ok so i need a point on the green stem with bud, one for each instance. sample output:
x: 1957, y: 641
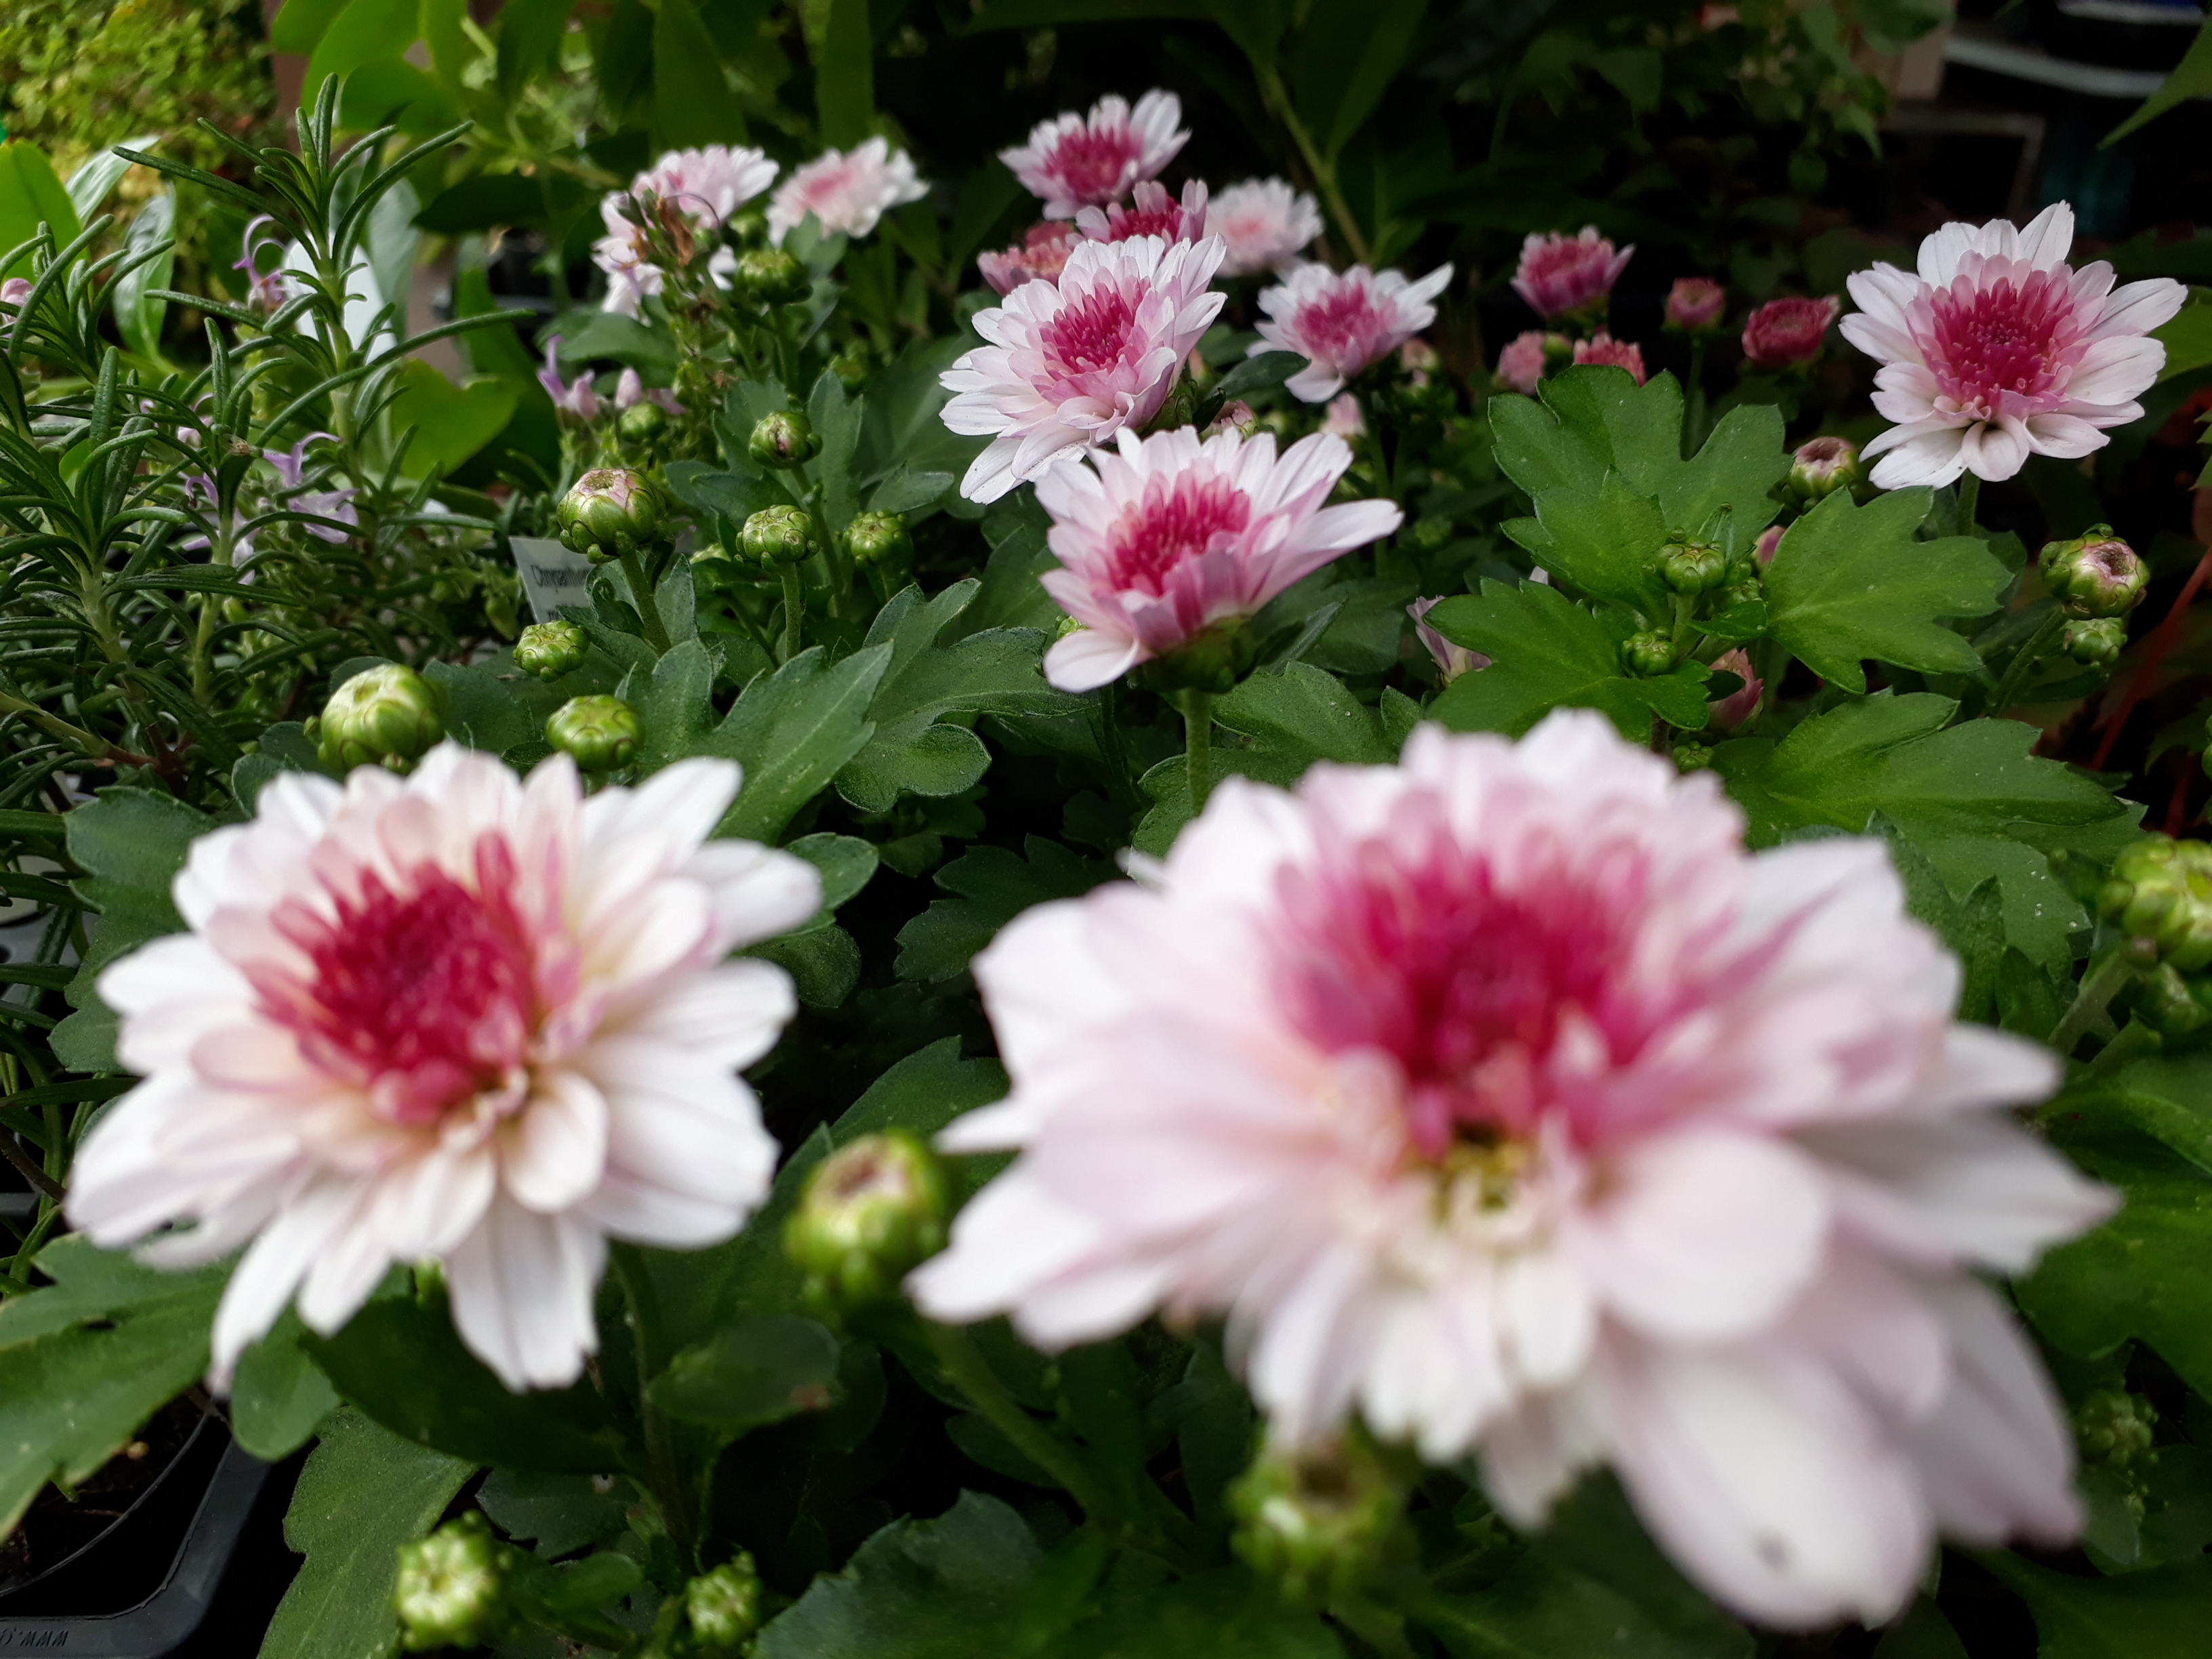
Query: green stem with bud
x: 648, y: 613
x: 972, y: 1374
x: 794, y: 611
x: 2103, y: 981
x: 2023, y: 660
x: 1198, y: 759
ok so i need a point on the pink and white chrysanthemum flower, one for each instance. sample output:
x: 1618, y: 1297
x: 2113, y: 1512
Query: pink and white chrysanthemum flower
x: 1041, y: 257
x: 1340, y: 322
x: 1173, y: 534
x: 1562, y: 276
x: 1070, y: 364
x: 706, y: 185
x: 1153, y: 212
x: 1072, y: 161
x: 1503, y: 1098
x: 1267, y: 224
x: 846, y: 191
x: 1996, y: 349
x: 461, y: 1017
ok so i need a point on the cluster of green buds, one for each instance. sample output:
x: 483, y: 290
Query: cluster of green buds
x: 549, y: 650
x: 783, y: 439
x: 452, y: 1590
x: 2113, y: 1426
x: 2160, y: 893
x: 1689, y: 566
x: 879, y: 540
x: 383, y: 716
x: 612, y: 513
x: 780, y: 535
x: 722, y: 1610
x: 2095, y: 642
x: 770, y: 277
x: 1647, y: 652
x: 2095, y: 576
x: 598, y: 733
x: 871, y: 1212
x: 1821, y: 466
x: 1316, y: 1519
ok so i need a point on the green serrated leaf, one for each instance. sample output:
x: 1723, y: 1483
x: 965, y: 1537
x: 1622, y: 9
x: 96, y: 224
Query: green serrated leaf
x: 280, y: 1395
x: 993, y: 886
x: 84, y: 1362
x: 1850, y: 582
x: 1546, y: 653
x: 792, y: 732
x: 558, y: 1513
x: 824, y: 962
x: 363, y: 1494
x: 478, y: 709
x: 754, y: 1372
x: 2161, y: 1611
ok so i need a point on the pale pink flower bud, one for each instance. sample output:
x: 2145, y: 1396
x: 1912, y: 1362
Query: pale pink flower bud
x: 14, y: 290
x: 1562, y: 276
x: 1237, y: 416
x: 1787, y: 333
x: 1996, y: 349
x: 1451, y: 660
x: 1602, y: 348
x: 1528, y: 357
x: 1729, y: 712
x: 1769, y: 539
x: 1343, y: 417
x: 1694, y: 304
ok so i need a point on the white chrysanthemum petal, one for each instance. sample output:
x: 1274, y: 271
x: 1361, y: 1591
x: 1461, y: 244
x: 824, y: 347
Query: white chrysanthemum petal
x: 382, y: 1043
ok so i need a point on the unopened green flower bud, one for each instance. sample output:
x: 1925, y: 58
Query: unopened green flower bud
x: 871, y: 1212
x: 2113, y: 1426
x: 1212, y: 659
x: 1651, y: 652
x: 550, y: 650
x: 1689, y: 566
x: 1316, y: 1520
x: 878, y: 538
x: 610, y: 511
x: 2096, y: 643
x: 1693, y: 756
x: 851, y: 367
x: 1821, y: 466
x: 452, y: 1590
x: 771, y: 277
x: 383, y: 716
x: 1744, y: 587
x: 641, y: 425
x: 599, y: 732
x: 786, y: 438
x: 2096, y: 574
x: 780, y: 535
x: 2161, y: 892
x: 2166, y: 1001
x: 722, y: 1609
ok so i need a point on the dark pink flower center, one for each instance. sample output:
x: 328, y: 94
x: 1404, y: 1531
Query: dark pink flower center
x: 1089, y: 334
x: 1091, y: 164
x: 1343, y: 327
x: 1466, y: 987
x: 426, y: 999
x: 1170, y: 527
x: 2003, y: 342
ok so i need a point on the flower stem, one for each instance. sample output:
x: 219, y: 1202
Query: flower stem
x: 2103, y: 983
x: 1970, y: 501
x: 648, y: 613
x: 1198, y: 761
x: 2023, y: 661
x: 1693, y: 418
x: 794, y: 611
x: 972, y: 1374
x: 678, y: 1503
x: 1277, y: 100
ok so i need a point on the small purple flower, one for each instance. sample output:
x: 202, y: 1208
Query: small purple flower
x: 631, y: 390
x: 266, y: 290
x: 1451, y: 660
x: 578, y: 400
